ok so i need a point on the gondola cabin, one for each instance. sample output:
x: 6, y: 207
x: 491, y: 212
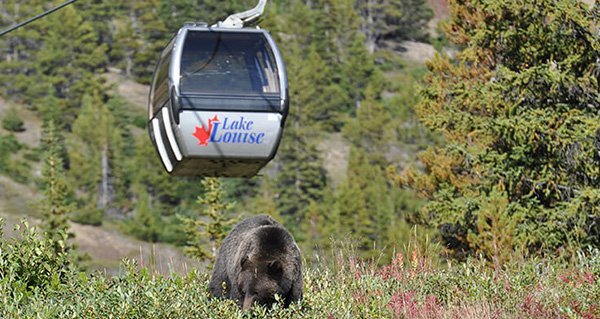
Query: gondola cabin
x: 218, y: 102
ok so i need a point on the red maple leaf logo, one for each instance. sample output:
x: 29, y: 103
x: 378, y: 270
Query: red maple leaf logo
x: 203, y: 134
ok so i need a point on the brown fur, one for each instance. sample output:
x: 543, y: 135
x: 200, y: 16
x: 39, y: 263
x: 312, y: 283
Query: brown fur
x: 257, y: 260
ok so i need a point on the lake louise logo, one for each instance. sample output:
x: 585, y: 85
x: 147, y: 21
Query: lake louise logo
x: 230, y: 131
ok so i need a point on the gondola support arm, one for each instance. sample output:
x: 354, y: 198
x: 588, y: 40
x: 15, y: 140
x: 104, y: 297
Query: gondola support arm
x: 237, y: 20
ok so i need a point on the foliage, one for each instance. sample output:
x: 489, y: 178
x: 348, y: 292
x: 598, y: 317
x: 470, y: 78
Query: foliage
x: 215, y: 228
x: 519, y: 110
x: 145, y: 224
x: 56, y: 67
x: 32, y: 264
x: 87, y: 215
x: 408, y: 287
x: 8, y: 146
x: 57, y: 202
x: 393, y: 20
x: 9, y: 165
x: 12, y: 122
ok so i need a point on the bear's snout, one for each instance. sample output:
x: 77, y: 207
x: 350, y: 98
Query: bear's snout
x: 248, y: 301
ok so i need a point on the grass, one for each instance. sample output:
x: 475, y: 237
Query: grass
x: 408, y: 287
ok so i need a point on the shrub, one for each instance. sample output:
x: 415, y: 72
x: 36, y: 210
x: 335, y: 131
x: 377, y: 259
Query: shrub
x: 140, y: 121
x: 31, y: 263
x: 12, y: 122
x: 87, y: 216
x: 34, y: 283
x: 18, y: 170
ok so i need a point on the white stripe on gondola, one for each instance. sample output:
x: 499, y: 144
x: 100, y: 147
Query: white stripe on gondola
x: 161, y: 146
x: 170, y: 135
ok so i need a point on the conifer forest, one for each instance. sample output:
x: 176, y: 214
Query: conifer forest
x: 440, y: 159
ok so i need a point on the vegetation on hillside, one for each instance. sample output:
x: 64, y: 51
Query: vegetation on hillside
x: 509, y: 170
x: 332, y: 49
x: 519, y: 108
x: 34, y: 283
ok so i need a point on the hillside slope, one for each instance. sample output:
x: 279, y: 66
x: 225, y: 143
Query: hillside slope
x: 105, y: 245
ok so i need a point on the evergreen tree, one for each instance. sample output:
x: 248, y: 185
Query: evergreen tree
x: 213, y: 230
x: 147, y: 172
x: 100, y: 14
x: 337, y: 25
x: 51, y: 111
x: 94, y: 153
x: 370, y: 130
x: 12, y: 121
x: 70, y: 58
x: 519, y: 112
x: 264, y: 201
x: 360, y: 72
x: 145, y: 224
x: 153, y: 34
x: 120, y: 150
x: 365, y: 205
x: 56, y: 205
x: 322, y: 227
x: 128, y: 43
x: 395, y: 20
x: 323, y: 102
x: 9, y: 145
x: 302, y: 177
x: 17, y: 64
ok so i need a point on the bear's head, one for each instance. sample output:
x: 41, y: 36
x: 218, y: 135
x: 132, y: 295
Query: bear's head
x: 268, y: 268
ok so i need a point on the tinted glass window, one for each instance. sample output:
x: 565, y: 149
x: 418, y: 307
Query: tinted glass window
x: 160, y: 86
x: 228, y: 63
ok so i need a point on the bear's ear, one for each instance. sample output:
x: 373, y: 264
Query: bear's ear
x: 275, y: 269
x: 243, y: 261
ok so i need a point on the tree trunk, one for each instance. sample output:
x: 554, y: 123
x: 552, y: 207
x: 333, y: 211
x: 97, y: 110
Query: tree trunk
x: 103, y: 199
x: 370, y: 28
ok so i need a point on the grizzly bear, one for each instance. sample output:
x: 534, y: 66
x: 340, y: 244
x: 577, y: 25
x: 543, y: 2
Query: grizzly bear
x: 256, y: 261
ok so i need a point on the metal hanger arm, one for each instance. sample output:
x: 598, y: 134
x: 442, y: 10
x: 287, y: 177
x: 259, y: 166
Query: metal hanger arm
x: 237, y: 20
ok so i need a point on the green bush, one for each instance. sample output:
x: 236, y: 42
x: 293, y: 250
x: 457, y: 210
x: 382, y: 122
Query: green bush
x: 140, y: 121
x: 87, y: 216
x: 12, y: 122
x: 35, y: 284
x: 31, y: 263
x: 18, y: 170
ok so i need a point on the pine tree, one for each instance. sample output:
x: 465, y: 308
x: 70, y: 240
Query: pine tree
x: 16, y: 63
x: 69, y: 59
x: 302, y: 177
x: 12, y: 121
x: 147, y: 172
x: 323, y: 102
x: 360, y: 72
x: 154, y: 36
x: 337, y: 25
x: 393, y: 20
x: 519, y: 112
x: 365, y: 204
x: 264, y: 201
x: 145, y: 224
x: 212, y: 231
x: 56, y: 205
x: 370, y: 130
x: 120, y: 150
x: 96, y: 153
x: 127, y: 43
